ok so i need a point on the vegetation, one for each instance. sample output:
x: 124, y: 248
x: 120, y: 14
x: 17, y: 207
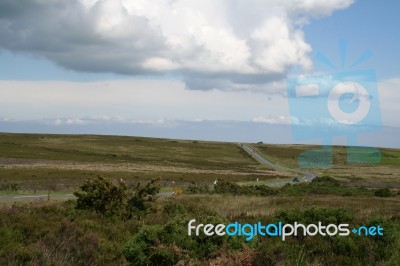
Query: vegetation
x: 324, y: 185
x: 169, y: 243
x: 115, y: 222
x: 56, y: 233
x: 114, y: 198
x: 103, y: 195
x: 37, y: 161
x: 383, y: 192
x: 119, y: 149
x: 9, y: 186
x: 226, y: 187
x: 142, y: 199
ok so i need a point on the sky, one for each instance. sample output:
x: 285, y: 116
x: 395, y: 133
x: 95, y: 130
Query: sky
x: 215, y: 70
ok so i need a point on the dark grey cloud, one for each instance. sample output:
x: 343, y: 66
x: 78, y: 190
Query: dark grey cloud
x: 191, y: 39
x: 65, y: 32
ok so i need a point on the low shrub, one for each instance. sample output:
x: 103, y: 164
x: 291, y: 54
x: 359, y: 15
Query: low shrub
x: 311, y: 215
x: 169, y: 243
x: 110, y: 197
x: 103, y: 195
x: 197, y: 189
x: 174, y: 208
x: 10, y: 186
x: 142, y: 198
x: 383, y: 192
x: 226, y: 187
x: 325, y: 181
x: 335, y: 250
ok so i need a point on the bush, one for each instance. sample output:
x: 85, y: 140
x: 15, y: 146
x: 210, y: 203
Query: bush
x: 226, y: 187
x: 110, y: 197
x: 10, y: 186
x: 174, y: 208
x: 347, y: 194
x: 325, y: 181
x: 197, y: 189
x: 103, y: 195
x: 383, y: 192
x: 142, y: 199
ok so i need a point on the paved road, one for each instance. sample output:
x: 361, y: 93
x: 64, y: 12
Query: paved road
x: 307, y: 176
x: 34, y: 196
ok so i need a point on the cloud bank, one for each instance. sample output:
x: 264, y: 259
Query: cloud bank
x: 227, y: 44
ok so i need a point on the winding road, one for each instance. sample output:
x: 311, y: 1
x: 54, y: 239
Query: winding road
x: 307, y: 176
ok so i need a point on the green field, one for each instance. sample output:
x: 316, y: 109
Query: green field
x: 113, y: 149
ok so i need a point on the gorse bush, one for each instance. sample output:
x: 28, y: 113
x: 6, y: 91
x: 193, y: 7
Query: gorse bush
x: 325, y: 180
x: 197, y: 189
x: 142, y: 198
x: 10, y: 186
x: 103, y: 195
x: 226, y: 187
x: 174, y: 208
x: 383, y: 192
x: 109, y: 197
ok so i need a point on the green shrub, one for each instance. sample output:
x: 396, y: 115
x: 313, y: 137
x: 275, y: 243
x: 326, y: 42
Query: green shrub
x: 103, y: 195
x: 174, y: 208
x: 226, y: 187
x: 142, y: 198
x: 325, y: 181
x: 110, y: 197
x: 10, y: 186
x: 197, y: 189
x: 259, y: 190
x: 383, y: 192
x: 347, y: 194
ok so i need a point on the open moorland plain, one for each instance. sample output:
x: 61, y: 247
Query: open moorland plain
x: 47, y: 215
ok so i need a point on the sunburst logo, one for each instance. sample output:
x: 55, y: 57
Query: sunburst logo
x: 341, y: 103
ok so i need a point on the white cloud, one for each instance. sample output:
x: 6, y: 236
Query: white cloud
x: 280, y: 120
x: 68, y: 121
x: 231, y: 43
